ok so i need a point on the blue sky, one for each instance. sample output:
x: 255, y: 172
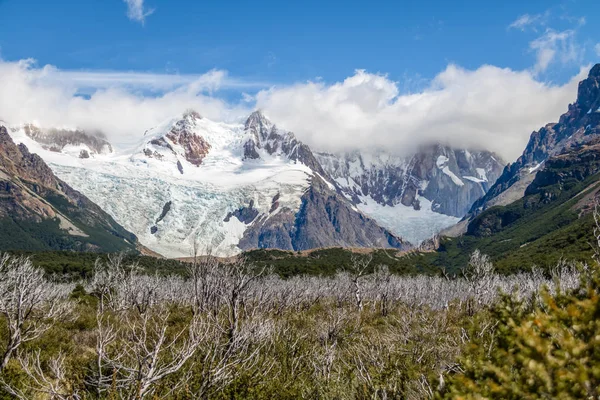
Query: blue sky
x: 281, y: 42
x: 340, y: 74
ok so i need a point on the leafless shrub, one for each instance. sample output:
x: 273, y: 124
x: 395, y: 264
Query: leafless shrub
x: 51, y: 381
x: 29, y: 303
x: 141, y: 348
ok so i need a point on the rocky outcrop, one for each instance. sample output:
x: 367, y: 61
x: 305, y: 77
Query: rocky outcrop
x: 563, y: 171
x: 165, y: 210
x: 41, y: 212
x: 265, y: 136
x: 244, y: 214
x: 579, y: 125
x: 180, y: 142
x: 195, y: 148
x: 558, y: 182
x: 325, y: 219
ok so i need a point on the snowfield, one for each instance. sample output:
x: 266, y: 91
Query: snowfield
x: 412, y: 225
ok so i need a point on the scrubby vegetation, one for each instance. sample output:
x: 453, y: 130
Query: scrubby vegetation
x: 551, y: 223
x: 232, y: 330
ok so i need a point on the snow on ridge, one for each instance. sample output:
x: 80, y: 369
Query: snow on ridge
x: 454, y: 178
x: 482, y: 174
x: 473, y: 179
x: 535, y: 168
x: 441, y: 161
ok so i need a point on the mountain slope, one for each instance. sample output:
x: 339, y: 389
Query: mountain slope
x: 41, y: 212
x: 580, y: 124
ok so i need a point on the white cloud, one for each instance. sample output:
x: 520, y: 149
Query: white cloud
x: 555, y: 46
x: 119, y: 108
x: 528, y: 21
x: 597, y: 49
x: 136, y: 10
x: 490, y: 108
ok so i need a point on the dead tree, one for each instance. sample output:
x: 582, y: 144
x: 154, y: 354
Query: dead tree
x: 358, y: 269
x: 140, y: 350
x: 29, y: 303
x: 233, y: 283
x: 479, y: 275
x: 202, y: 274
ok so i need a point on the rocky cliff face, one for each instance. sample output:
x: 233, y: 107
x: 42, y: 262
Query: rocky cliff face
x: 181, y: 142
x: 451, y: 179
x: 564, y: 177
x: 40, y: 212
x: 580, y: 124
x: 265, y: 136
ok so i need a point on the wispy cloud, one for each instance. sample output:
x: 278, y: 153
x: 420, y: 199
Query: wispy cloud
x: 526, y: 21
x: 119, y: 103
x: 210, y: 81
x: 597, y: 49
x: 555, y: 46
x: 136, y: 11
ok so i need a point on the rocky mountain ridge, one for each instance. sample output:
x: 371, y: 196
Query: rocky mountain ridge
x: 579, y: 125
x: 451, y: 179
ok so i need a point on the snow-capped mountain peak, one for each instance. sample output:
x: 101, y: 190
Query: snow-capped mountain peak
x: 231, y: 187
x: 182, y: 141
x: 190, y: 180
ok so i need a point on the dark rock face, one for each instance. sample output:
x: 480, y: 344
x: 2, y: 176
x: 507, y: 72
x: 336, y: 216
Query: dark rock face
x: 579, y: 125
x: 244, y: 214
x: 566, y: 169
x: 40, y: 212
x: 325, y: 219
x: 392, y: 180
x: 165, y: 211
x: 58, y: 139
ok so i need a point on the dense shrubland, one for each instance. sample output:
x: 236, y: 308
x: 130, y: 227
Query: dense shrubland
x: 231, y: 330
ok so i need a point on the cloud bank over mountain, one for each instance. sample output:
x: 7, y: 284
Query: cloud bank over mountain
x: 489, y: 107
